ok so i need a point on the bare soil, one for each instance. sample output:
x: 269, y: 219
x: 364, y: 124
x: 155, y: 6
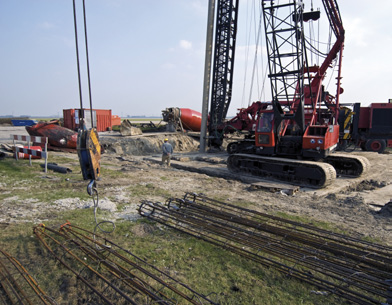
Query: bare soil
x: 360, y: 207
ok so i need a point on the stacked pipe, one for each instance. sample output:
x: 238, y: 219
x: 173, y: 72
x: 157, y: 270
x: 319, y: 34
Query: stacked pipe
x: 350, y: 268
x: 17, y: 285
x: 110, y: 274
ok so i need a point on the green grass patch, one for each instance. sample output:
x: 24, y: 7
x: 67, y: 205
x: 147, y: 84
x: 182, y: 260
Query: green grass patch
x: 148, y: 189
x: 225, y: 276
x: 305, y: 220
x: 154, y: 120
x: 19, y: 179
x: 222, y: 275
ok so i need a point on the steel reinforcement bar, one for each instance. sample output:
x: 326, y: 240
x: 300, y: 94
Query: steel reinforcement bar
x: 110, y: 273
x: 367, y: 253
x: 301, y: 251
x: 17, y: 285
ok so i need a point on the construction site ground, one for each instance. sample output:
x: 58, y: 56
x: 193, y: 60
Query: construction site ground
x: 359, y: 206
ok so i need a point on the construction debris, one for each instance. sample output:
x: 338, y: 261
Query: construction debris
x: 127, y: 129
x: 57, y: 168
x: 287, y: 189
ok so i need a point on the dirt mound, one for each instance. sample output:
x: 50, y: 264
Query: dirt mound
x: 369, y: 185
x: 146, y: 144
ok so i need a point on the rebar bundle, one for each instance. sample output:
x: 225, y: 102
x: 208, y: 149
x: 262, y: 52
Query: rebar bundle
x: 110, y: 274
x: 17, y: 285
x: 350, y: 268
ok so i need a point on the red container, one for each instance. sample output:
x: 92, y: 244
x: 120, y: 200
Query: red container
x: 190, y: 119
x: 116, y: 120
x: 102, y: 118
x: 69, y: 118
x: 364, y: 118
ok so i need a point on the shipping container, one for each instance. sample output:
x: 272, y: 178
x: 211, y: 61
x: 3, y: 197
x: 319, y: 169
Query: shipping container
x: 116, y: 120
x: 23, y: 122
x: 102, y: 119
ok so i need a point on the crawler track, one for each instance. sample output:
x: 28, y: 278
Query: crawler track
x: 350, y: 268
x: 304, y: 173
x: 348, y: 165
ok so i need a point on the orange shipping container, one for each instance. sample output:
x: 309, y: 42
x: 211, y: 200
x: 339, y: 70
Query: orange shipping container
x: 116, y: 120
x: 102, y: 119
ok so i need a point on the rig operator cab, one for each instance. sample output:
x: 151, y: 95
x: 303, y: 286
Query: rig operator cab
x: 288, y: 139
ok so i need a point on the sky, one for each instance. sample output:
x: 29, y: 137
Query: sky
x: 148, y: 55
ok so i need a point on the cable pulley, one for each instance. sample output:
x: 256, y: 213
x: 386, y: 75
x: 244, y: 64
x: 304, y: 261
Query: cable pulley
x: 89, y: 149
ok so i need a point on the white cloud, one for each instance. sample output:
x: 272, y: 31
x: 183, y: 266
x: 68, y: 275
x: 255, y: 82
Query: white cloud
x: 46, y: 25
x: 185, y: 44
x: 168, y: 66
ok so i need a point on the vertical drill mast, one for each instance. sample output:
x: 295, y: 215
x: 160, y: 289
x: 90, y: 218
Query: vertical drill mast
x: 301, y: 104
x: 286, y: 59
x: 222, y: 81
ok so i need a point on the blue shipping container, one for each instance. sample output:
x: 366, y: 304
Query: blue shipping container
x: 23, y: 122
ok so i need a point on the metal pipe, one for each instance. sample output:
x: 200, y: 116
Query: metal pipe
x: 207, y: 75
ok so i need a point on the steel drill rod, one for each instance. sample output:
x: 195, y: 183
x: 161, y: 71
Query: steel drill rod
x: 18, y: 284
x: 106, y: 243
x: 102, y: 258
x: 10, y: 287
x: 245, y: 227
x: 180, y: 215
x: 263, y: 217
x: 104, y: 278
x: 286, y: 269
x: 109, y: 282
x: 122, y: 274
x: 289, y: 252
x: 41, y: 234
x: 278, y: 246
x: 273, y: 247
x: 296, y: 273
x: 77, y: 233
x: 114, y: 269
x: 321, y: 238
x: 288, y: 237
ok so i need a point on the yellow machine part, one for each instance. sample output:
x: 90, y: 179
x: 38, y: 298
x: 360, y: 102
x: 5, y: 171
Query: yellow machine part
x: 89, y: 152
x: 347, y: 122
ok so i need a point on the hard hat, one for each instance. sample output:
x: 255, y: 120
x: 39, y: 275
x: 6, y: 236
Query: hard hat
x: 166, y: 139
